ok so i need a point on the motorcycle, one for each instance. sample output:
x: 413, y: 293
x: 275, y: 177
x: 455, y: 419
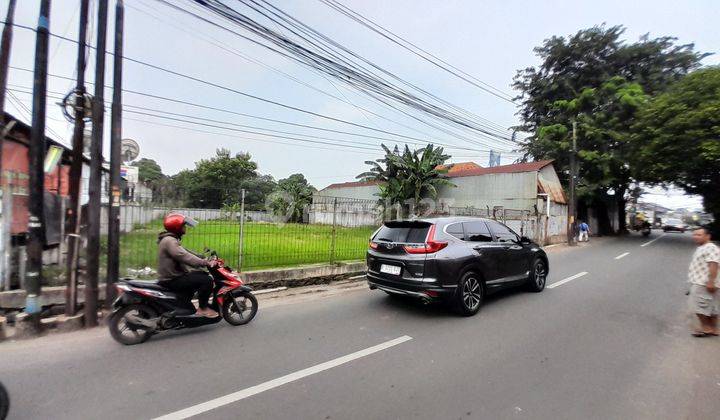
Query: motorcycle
x: 144, y: 308
x: 643, y: 227
x: 4, y: 402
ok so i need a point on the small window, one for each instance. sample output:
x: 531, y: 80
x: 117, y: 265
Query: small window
x: 477, y: 232
x: 503, y: 233
x: 456, y: 230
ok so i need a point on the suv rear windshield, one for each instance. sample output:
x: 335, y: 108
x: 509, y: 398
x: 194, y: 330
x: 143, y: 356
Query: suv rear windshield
x: 403, y: 232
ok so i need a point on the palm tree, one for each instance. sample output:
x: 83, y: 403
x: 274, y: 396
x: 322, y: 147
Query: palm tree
x: 410, y: 175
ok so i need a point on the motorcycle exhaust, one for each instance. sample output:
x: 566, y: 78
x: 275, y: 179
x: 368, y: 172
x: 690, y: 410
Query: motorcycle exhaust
x: 146, y: 324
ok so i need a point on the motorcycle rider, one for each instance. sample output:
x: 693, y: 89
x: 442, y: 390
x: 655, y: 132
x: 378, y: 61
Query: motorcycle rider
x: 173, y: 262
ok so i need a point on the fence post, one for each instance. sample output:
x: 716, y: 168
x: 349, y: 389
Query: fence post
x: 242, y: 228
x: 334, y: 231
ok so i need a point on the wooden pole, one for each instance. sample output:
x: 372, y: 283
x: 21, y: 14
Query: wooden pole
x: 73, y: 214
x: 114, y: 194
x: 95, y: 184
x: 36, y: 234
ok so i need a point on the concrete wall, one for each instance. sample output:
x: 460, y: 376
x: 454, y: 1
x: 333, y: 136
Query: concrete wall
x: 513, y: 191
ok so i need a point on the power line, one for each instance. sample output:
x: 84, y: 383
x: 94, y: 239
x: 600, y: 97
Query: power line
x: 421, y: 142
x: 404, y: 43
x: 360, y: 80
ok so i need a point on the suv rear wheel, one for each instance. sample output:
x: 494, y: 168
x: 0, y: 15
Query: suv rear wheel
x: 469, y: 294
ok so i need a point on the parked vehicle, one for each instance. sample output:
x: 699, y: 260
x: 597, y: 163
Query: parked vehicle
x: 454, y: 259
x: 4, y: 402
x: 674, y: 225
x: 144, y: 308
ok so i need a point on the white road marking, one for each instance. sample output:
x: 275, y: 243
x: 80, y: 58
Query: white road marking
x: 266, y: 386
x: 622, y: 255
x: 649, y: 242
x: 563, y: 281
x: 274, y: 289
x: 356, y: 277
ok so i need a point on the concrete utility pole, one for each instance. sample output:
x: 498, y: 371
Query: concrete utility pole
x: 95, y: 186
x: 573, y: 175
x: 4, y: 62
x: 73, y: 222
x: 113, y: 259
x: 36, y: 237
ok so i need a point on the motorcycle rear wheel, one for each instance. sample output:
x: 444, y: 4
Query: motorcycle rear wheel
x: 124, y: 333
x: 240, y: 316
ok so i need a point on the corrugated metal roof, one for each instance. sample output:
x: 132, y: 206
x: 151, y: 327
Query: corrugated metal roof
x: 453, y: 168
x: 352, y: 184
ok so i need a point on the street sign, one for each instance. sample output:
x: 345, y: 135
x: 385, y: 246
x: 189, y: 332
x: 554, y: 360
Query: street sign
x: 52, y: 157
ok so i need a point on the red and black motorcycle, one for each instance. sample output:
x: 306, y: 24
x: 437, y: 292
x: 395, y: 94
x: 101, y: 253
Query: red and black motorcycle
x: 144, y: 308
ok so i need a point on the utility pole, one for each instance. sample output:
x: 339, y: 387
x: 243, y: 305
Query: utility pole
x: 36, y: 237
x: 573, y: 175
x: 95, y: 184
x: 4, y: 62
x: 113, y: 258
x: 73, y: 222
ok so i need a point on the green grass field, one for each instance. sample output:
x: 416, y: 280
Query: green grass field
x: 266, y: 245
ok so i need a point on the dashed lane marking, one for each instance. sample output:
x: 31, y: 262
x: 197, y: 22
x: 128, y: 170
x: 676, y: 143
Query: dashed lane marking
x: 649, y: 242
x: 563, y: 281
x: 292, y: 377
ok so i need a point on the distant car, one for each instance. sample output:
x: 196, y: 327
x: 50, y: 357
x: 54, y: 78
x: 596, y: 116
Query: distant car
x: 456, y: 259
x: 674, y: 225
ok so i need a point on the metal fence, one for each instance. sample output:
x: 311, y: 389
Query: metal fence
x: 328, y: 231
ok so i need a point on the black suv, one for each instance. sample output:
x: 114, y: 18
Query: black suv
x: 457, y: 259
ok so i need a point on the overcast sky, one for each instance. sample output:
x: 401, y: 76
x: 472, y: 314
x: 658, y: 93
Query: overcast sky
x: 487, y: 39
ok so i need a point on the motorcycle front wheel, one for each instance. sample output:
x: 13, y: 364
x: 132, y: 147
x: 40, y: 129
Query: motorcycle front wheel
x: 125, y: 333
x: 241, y: 309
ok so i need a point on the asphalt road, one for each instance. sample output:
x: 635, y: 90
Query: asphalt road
x: 611, y: 344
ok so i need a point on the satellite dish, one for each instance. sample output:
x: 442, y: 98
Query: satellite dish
x: 129, y: 150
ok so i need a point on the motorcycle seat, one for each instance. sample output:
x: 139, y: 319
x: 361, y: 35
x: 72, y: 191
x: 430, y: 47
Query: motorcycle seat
x: 146, y: 284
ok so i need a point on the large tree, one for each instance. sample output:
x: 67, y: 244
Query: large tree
x: 291, y: 197
x: 218, y: 181
x: 678, y: 138
x: 408, y: 176
x: 597, y: 79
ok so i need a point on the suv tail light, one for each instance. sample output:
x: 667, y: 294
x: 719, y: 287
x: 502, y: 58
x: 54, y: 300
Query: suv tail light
x: 429, y: 247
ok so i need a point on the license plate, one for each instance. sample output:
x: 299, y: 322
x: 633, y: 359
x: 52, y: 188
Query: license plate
x: 390, y: 269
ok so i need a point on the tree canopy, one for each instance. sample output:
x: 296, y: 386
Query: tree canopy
x: 600, y: 81
x: 678, y: 137
x: 408, y: 176
x: 292, y: 195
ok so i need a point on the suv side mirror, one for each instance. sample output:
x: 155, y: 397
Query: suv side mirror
x: 525, y: 240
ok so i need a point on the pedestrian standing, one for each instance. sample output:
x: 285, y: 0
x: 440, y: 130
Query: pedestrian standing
x: 704, y: 298
x: 584, y: 232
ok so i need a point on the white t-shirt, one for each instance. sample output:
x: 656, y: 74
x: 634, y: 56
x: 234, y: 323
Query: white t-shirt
x: 699, y: 270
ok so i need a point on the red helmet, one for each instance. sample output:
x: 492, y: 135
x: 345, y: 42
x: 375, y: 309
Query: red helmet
x: 174, y: 222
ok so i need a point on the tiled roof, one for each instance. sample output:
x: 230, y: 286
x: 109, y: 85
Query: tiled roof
x: 459, y: 167
x: 504, y: 169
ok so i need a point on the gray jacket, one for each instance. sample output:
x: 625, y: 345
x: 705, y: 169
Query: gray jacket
x: 173, y: 259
